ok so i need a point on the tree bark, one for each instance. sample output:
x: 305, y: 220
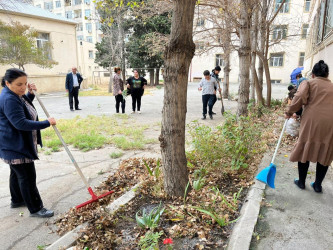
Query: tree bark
x: 151, y: 77
x: 157, y: 76
x: 178, y: 55
x: 267, y: 72
x: 226, y: 69
x: 244, y: 53
x: 110, y: 80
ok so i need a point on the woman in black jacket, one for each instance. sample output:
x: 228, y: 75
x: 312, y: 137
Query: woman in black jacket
x: 136, y: 84
x: 19, y: 136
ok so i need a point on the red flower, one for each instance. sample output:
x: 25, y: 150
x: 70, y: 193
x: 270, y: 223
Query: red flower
x: 167, y: 241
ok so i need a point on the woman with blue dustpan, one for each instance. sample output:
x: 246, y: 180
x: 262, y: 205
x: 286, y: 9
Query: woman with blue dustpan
x: 315, y: 142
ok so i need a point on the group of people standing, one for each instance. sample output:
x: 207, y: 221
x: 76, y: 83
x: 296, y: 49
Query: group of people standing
x: 135, y: 87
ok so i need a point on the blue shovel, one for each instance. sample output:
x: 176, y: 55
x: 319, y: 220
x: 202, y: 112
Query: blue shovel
x: 267, y: 175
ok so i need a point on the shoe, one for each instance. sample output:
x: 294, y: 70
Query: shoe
x: 16, y: 205
x: 139, y: 112
x: 72, y: 109
x: 204, y: 117
x: 213, y: 113
x: 298, y: 184
x: 133, y: 112
x: 43, y: 213
x: 211, y: 117
x: 315, y: 188
x: 78, y: 109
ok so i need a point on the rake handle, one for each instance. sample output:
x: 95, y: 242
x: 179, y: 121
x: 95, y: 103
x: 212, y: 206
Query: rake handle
x: 218, y: 82
x: 63, y: 142
x: 278, y: 144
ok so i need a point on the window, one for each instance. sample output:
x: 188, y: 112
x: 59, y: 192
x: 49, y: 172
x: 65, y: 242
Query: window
x: 91, y: 54
x: 48, y: 5
x: 200, y: 22
x: 199, y: 45
x: 87, y: 2
x: 68, y: 3
x: 284, y: 8
x: 98, y: 26
x: 305, y: 29
x: 80, y: 38
x: 307, y: 5
x: 77, y: 2
x: 280, y: 32
x: 69, y: 14
x: 219, y: 60
x: 275, y: 81
x: 276, y: 60
x: 58, y: 4
x: 38, y: 6
x: 301, y: 59
x: 89, y: 27
x: 79, y: 27
x: 328, y: 18
x: 89, y: 39
x: 43, y: 40
x: 87, y: 13
x: 77, y: 14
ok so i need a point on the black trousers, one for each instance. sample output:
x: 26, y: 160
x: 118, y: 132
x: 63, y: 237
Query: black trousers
x: 215, y: 99
x: 120, y: 99
x: 74, y: 94
x: 136, y: 99
x: 22, y: 184
x: 207, y: 99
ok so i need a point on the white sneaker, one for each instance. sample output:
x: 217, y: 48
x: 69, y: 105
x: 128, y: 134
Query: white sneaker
x: 139, y: 112
x: 133, y: 112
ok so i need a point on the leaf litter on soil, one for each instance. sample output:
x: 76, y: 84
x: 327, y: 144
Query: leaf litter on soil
x: 187, y: 226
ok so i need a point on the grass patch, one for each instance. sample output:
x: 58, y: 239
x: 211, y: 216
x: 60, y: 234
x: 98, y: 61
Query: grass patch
x: 94, y: 132
x: 100, y: 90
x: 115, y: 155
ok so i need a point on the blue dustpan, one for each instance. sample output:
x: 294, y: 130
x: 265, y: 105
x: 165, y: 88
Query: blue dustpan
x: 267, y: 175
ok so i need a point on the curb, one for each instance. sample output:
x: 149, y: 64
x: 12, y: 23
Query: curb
x: 70, y: 237
x: 242, y: 232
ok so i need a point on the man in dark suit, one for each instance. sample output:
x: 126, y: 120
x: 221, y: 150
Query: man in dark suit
x: 73, y: 83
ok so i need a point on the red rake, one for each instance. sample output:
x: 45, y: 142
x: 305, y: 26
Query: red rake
x: 94, y: 197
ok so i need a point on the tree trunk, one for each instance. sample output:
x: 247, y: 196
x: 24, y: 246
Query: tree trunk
x: 226, y: 80
x: 151, y: 77
x: 110, y: 80
x: 157, y: 76
x: 244, y: 53
x: 255, y: 80
x: 267, y: 72
x: 178, y: 55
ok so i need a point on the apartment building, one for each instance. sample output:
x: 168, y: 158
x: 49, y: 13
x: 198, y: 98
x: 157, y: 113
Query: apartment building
x: 287, y: 38
x: 88, y: 31
x: 51, y: 28
x: 319, y: 44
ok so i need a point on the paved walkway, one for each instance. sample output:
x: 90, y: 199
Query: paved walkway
x: 295, y: 219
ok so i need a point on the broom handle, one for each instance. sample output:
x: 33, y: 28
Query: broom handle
x: 63, y: 142
x: 278, y: 145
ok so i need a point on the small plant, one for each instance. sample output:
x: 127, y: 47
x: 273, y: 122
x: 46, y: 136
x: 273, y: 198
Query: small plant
x: 157, y: 171
x: 225, y: 200
x: 150, y: 240
x: 186, y: 191
x: 115, y: 155
x: 236, y: 196
x: 198, y: 184
x: 220, y: 220
x: 149, y: 220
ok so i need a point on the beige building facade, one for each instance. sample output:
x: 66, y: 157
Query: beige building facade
x: 51, y: 28
x: 288, y: 39
x: 320, y: 42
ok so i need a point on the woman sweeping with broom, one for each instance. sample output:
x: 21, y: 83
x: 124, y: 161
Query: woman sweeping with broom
x: 315, y: 142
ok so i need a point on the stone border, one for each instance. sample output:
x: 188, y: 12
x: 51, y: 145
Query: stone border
x: 70, y: 237
x: 242, y: 232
